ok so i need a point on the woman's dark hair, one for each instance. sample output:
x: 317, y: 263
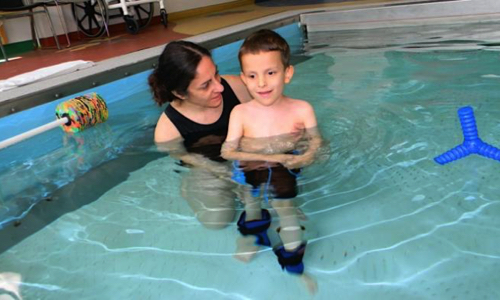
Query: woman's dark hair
x: 266, y: 40
x: 175, y: 70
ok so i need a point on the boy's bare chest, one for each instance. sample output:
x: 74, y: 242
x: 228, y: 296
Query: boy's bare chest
x: 272, y: 124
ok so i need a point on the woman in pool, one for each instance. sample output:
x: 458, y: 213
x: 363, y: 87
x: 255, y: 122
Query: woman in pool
x: 194, y: 126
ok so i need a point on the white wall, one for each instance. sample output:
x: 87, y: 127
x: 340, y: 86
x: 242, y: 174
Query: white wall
x: 18, y: 30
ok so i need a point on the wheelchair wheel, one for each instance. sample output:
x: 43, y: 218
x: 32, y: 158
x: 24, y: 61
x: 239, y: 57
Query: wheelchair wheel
x: 91, y: 17
x: 143, y: 13
x: 164, y: 17
x: 139, y: 17
x: 132, y: 24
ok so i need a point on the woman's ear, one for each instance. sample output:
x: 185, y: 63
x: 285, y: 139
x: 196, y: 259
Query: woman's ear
x: 178, y: 95
x: 289, y: 73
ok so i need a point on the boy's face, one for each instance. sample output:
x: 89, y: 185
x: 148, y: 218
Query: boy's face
x: 265, y: 76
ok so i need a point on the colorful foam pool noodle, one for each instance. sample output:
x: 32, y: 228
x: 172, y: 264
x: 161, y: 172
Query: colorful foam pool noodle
x: 82, y: 112
x: 472, y: 143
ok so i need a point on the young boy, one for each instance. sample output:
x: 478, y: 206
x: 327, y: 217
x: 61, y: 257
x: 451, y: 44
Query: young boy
x: 262, y: 139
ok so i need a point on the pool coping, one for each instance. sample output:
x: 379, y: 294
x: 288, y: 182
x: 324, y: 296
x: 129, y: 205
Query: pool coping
x: 40, y: 92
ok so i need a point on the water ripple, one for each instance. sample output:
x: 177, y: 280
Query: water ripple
x: 464, y: 216
x: 187, y: 285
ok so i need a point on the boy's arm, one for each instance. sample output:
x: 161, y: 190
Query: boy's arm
x: 230, y: 149
x: 314, y: 137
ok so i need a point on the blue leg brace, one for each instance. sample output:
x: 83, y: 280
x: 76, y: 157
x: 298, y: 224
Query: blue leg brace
x: 256, y: 227
x: 291, y: 261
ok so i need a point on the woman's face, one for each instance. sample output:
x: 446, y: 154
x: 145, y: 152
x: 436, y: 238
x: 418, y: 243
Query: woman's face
x: 205, y: 89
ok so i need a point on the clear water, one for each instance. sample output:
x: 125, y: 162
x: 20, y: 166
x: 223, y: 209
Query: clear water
x: 384, y: 220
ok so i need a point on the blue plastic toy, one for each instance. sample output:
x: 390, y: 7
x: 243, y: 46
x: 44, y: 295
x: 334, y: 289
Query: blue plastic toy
x: 472, y: 143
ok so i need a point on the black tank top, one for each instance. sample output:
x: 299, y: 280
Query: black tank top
x: 205, y: 139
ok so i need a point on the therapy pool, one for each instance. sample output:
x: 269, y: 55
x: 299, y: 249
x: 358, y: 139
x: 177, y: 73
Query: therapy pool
x: 384, y: 221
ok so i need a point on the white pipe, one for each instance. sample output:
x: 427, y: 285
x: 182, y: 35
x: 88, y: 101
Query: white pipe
x: 21, y: 137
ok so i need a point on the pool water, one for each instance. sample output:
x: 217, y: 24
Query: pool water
x: 384, y: 221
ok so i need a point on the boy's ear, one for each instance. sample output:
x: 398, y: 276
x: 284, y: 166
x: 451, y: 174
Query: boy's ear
x: 289, y: 74
x: 243, y: 78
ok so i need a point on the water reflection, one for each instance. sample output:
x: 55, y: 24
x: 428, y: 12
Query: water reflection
x: 9, y: 286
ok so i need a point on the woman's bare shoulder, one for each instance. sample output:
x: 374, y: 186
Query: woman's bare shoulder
x: 239, y: 88
x: 165, y: 130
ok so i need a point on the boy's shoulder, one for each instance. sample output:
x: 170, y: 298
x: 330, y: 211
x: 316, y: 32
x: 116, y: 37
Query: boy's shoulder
x: 304, y: 111
x: 299, y: 103
x: 242, y: 106
x: 245, y: 105
x: 240, y: 109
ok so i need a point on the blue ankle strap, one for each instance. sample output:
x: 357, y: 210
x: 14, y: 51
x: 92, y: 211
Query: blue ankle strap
x: 256, y: 227
x: 291, y: 261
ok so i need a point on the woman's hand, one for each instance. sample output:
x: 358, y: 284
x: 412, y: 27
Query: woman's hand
x: 199, y: 161
x: 221, y: 170
x: 298, y: 161
x: 281, y: 158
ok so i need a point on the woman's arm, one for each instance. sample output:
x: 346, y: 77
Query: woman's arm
x: 239, y: 88
x: 165, y: 130
x: 176, y: 149
x: 169, y: 140
x: 230, y: 151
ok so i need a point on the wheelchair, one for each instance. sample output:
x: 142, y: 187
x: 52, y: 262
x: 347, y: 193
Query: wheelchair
x: 92, y: 16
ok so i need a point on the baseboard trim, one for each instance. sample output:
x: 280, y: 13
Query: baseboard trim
x: 208, y: 9
x: 14, y: 49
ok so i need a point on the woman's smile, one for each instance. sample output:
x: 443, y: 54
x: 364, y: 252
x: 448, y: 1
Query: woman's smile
x: 217, y: 97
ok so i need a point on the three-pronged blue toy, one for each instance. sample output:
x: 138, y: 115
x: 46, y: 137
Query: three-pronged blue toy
x: 472, y: 143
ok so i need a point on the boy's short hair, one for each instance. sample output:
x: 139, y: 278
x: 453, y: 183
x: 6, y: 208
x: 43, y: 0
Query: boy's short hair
x: 265, y: 40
